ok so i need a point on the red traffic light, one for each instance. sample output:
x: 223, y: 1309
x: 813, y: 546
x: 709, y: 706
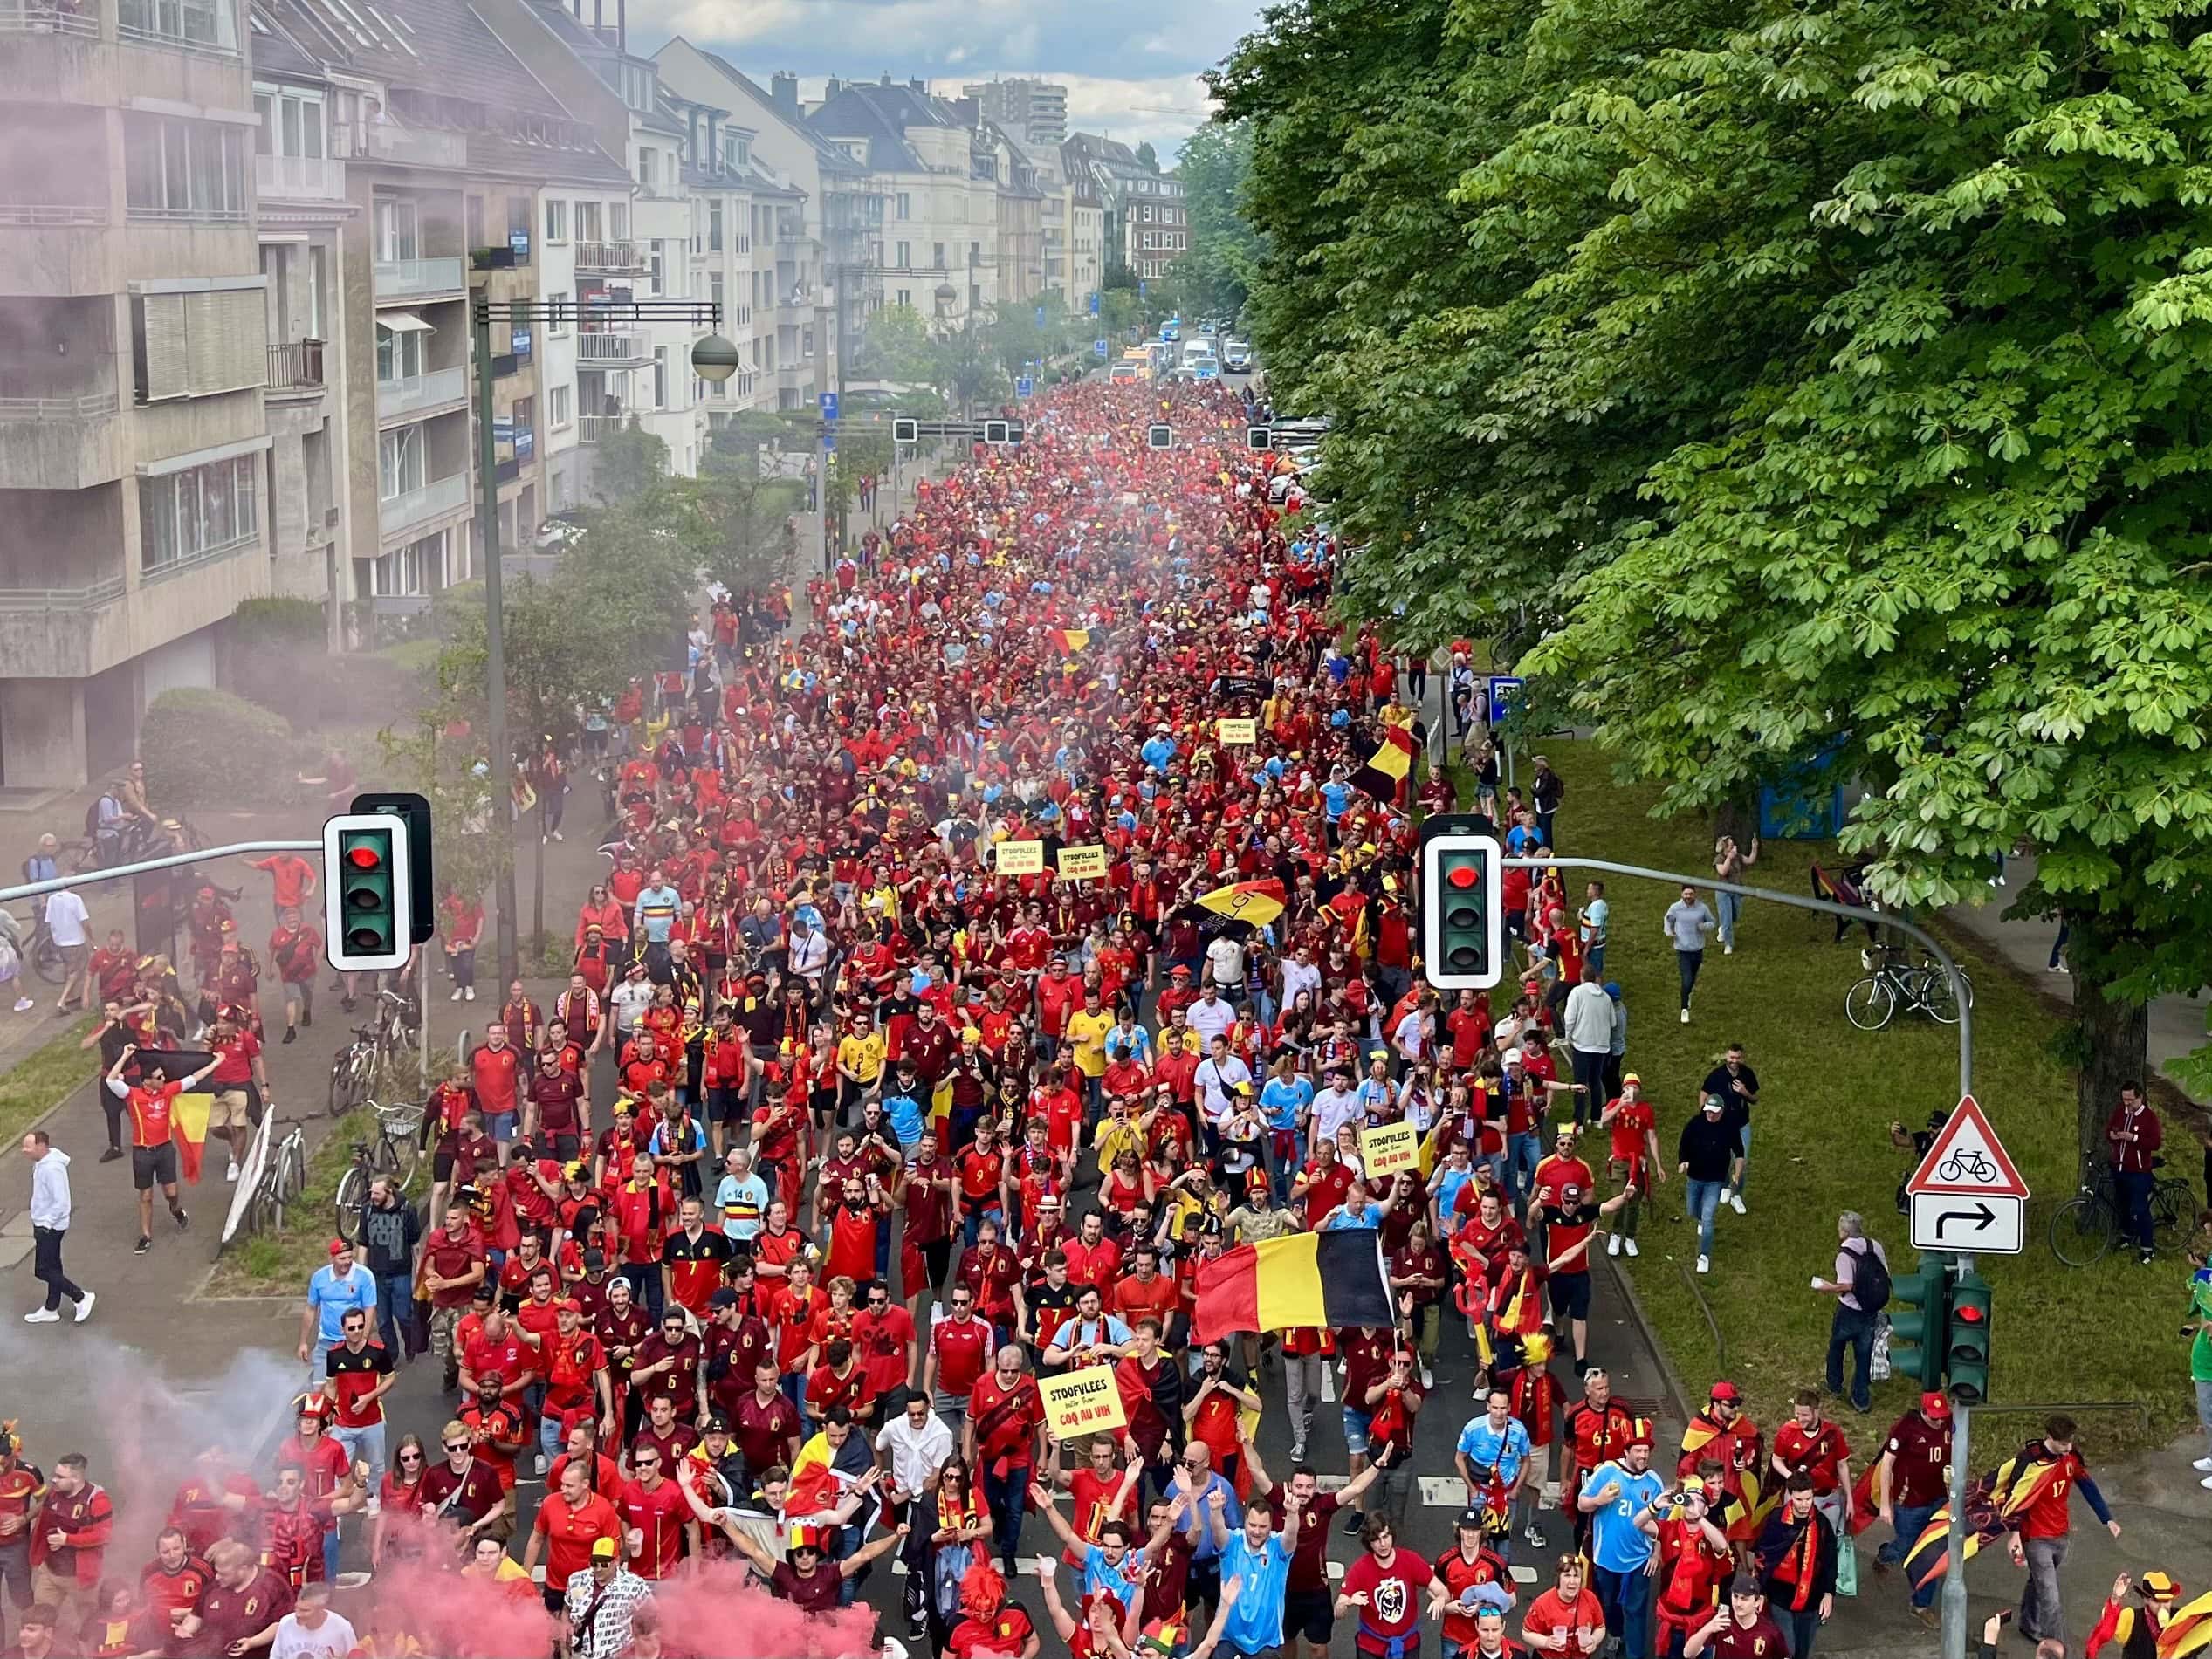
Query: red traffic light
x: 1967, y: 1313
x: 364, y: 858
x: 1463, y: 875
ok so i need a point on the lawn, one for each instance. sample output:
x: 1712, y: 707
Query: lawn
x: 31, y: 1085
x: 280, y: 1263
x: 1827, y: 1095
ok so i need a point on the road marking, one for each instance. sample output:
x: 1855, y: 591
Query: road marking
x: 1441, y: 1491
x: 1524, y: 1574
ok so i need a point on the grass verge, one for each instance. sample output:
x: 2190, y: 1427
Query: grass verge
x: 280, y: 1263
x: 31, y: 1086
x: 1828, y: 1093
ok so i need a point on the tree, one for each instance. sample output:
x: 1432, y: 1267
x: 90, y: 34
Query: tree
x: 967, y: 373
x: 1147, y: 157
x: 897, y: 347
x: 628, y: 462
x: 1224, y: 249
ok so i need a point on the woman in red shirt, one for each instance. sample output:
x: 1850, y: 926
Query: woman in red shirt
x: 462, y: 927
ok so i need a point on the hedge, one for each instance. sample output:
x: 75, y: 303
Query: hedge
x: 203, y: 747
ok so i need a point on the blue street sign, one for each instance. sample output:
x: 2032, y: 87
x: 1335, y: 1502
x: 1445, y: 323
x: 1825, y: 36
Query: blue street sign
x: 1504, y: 690
x: 518, y: 342
x: 1094, y: 302
x: 519, y: 244
x: 1098, y: 348
x: 829, y: 406
x: 830, y: 443
x: 1024, y: 386
x: 1041, y: 316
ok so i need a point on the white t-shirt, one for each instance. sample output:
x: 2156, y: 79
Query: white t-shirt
x: 333, y: 1639
x: 1209, y: 1019
x: 1333, y: 1109
x: 67, y: 919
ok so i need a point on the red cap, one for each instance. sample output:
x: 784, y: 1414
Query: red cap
x: 568, y: 1305
x: 1936, y: 1404
x: 1725, y: 1390
x: 338, y: 1246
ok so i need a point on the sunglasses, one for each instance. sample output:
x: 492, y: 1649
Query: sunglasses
x: 410, y: 1457
x: 457, y: 1445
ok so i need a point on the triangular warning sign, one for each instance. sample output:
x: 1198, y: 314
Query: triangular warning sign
x: 1969, y: 1158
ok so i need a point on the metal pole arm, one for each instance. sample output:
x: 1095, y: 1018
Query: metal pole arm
x: 91, y: 878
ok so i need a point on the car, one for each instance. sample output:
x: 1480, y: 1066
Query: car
x: 1236, y: 357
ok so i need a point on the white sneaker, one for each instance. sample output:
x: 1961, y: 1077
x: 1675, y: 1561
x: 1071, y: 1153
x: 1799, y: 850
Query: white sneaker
x: 541, y: 1462
x: 42, y: 1316
x: 1735, y: 1202
x: 231, y: 1173
x: 1705, y: 1264
x: 471, y: 993
x: 1428, y: 1378
x: 556, y: 835
x: 2206, y: 1483
x: 84, y: 1307
x: 1613, y: 1244
x: 1686, y: 1016
x: 2203, y: 1465
x: 372, y: 1506
x: 1631, y: 1246
x: 24, y: 1004
x: 1728, y: 948
x: 456, y: 993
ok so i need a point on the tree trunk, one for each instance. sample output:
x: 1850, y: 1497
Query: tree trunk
x: 2111, y: 1035
x: 537, y: 884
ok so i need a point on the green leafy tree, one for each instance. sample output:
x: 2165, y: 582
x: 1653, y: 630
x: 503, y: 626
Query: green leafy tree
x: 629, y: 461
x: 968, y: 373
x: 1224, y: 249
x: 897, y: 347
x: 1147, y: 156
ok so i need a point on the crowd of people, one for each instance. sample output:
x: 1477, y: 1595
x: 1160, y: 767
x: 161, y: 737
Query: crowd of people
x: 963, y: 991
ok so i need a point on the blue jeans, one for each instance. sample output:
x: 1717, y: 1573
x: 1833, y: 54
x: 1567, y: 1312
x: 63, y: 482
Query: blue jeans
x: 1627, y: 1598
x: 394, y: 1310
x: 1853, y: 1328
x: 365, y: 1446
x: 2135, y: 1205
x: 1799, y: 1629
x: 1523, y: 1155
x: 1703, y: 1198
x: 1911, y: 1518
x: 1006, y: 1499
x: 1731, y: 907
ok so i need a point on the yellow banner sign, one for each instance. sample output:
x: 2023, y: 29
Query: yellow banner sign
x: 1020, y: 858
x: 1238, y: 730
x: 1389, y: 1148
x: 1084, y: 1402
x: 1082, y: 863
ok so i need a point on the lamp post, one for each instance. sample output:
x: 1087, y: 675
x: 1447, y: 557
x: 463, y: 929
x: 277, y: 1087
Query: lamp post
x: 713, y: 359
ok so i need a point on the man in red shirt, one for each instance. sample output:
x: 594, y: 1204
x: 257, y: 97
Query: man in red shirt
x: 1810, y: 1442
x: 1391, y: 1590
x: 150, y: 1103
x: 2036, y: 1503
x: 884, y: 1335
x: 2134, y: 1134
x: 765, y: 1425
x: 658, y: 1523
x: 245, y: 1599
x: 495, y: 1070
x: 1146, y: 1293
x: 295, y: 954
x: 840, y: 1379
x: 1910, y: 1483
x: 960, y: 1347
x: 570, y: 1520
x: 1002, y: 1441
x: 1740, y: 1629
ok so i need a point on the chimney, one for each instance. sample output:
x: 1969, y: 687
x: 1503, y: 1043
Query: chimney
x: 917, y: 85
x: 621, y: 25
x: 830, y: 88
x: 783, y: 91
x: 887, y: 78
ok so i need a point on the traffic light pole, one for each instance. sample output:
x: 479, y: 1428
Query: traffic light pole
x: 1955, y: 1544
x: 1961, y: 994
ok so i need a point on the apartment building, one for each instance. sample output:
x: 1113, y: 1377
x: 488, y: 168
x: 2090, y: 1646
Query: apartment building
x: 1034, y: 111
x: 1021, y: 210
x: 816, y: 226
x: 1147, y: 228
x: 1068, y: 215
x: 134, y: 487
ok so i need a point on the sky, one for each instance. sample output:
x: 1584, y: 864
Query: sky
x: 1130, y: 66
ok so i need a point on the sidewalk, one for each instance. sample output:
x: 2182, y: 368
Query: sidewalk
x: 2177, y: 1023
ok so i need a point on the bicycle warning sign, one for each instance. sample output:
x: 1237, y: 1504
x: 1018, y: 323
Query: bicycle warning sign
x: 1968, y: 1158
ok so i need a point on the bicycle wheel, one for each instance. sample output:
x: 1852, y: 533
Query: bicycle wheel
x: 394, y: 1155
x: 2172, y: 1203
x: 2082, y: 1230
x: 352, y: 1199
x: 1935, y: 996
x: 46, y: 959
x: 263, y: 1215
x: 1869, y: 1004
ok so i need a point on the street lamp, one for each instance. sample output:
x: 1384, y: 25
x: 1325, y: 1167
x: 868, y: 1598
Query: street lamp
x: 713, y: 359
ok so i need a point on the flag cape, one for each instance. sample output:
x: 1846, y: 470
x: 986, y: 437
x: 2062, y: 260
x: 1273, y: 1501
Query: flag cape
x: 1332, y: 1278
x: 2188, y: 1629
x: 188, y: 1112
x: 815, y: 1486
x: 1386, y: 768
x: 1258, y: 902
x: 1070, y: 639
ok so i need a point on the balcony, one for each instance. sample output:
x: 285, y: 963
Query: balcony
x: 396, y: 514
x: 514, y: 256
x: 297, y: 365
x: 591, y: 428
x: 200, y: 560
x: 613, y: 348
x: 419, y: 395
x: 46, y: 17
x: 299, y: 178
x: 386, y: 141
x: 63, y: 633
x: 403, y: 279
x: 59, y: 442
x: 609, y: 259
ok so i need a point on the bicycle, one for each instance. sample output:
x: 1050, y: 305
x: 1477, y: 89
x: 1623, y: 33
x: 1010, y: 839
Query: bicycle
x: 2085, y: 1227
x: 283, y: 1183
x: 395, y: 1153
x: 42, y: 953
x: 353, y: 1072
x: 1892, y: 981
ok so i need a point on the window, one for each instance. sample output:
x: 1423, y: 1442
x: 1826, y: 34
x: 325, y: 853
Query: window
x: 402, y: 464
x: 618, y: 221
x: 714, y: 291
x: 1147, y: 213
x: 736, y: 152
x: 399, y: 353
x: 181, y: 169
x: 561, y: 403
x: 660, y: 377
x: 906, y: 255
x: 906, y: 298
x: 655, y: 268
x: 205, y: 24
x: 560, y: 315
x: 556, y: 221
x: 588, y: 221
x: 193, y: 345
x: 647, y: 168
x: 395, y: 229
x: 416, y: 569
x: 714, y: 225
x: 292, y: 121
x: 937, y: 262
x: 975, y: 255
x: 198, y: 513
x: 905, y: 206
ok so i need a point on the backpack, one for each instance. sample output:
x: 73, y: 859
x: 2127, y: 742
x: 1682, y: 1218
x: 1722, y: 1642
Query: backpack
x: 103, y: 811
x: 1870, y: 1279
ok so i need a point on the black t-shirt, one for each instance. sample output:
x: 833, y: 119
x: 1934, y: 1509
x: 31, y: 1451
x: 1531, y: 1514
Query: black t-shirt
x: 1717, y: 1082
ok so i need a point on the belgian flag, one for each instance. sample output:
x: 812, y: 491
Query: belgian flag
x: 1333, y: 1278
x: 1386, y: 768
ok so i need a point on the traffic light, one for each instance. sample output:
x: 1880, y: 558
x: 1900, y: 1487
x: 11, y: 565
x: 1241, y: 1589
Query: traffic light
x: 1159, y: 435
x: 1916, y: 1311
x: 1463, y: 922
x: 1966, y: 1342
x: 905, y: 430
x: 368, y: 892
x: 1258, y: 437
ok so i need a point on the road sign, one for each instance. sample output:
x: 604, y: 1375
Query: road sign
x: 1024, y: 386
x: 1967, y: 1158
x: 1098, y: 348
x: 1041, y: 316
x: 1094, y: 302
x: 1503, y: 690
x: 1984, y: 1226
x: 829, y: 406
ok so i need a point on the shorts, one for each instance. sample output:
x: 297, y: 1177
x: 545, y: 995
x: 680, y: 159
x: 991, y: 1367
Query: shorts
x: 441, y: 1166
x: 726, y: 1103
x: 1310, y: 1614
x: 228, y: 1110
x: 151, y: 1164
x: 502, y: 1126
x: 1356, y: 1427
x: 561, y: 1147
x: 1571, y: 1296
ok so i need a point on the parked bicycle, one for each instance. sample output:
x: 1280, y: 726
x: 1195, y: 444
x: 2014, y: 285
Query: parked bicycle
x: 394, y: 1153
x: 2089, y: 1225
x: 356, y: 1069
x: 1894, y: 981
x: 283, y: 1180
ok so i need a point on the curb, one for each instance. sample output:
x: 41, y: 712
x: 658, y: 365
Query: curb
x: 1667, y: 1372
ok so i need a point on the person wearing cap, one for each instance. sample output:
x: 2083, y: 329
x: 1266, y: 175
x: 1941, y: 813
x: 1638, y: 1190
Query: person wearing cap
x: 1634, y: 1160
x: 341, y: 1286
x: 1910, y: 1482
x: 1618, y: 1495
x: 600, y: 1603
x: 1571, y: 1227
x: 1703, y: 1153
x: 1741, y: 1629
x: 2136, y: 1631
